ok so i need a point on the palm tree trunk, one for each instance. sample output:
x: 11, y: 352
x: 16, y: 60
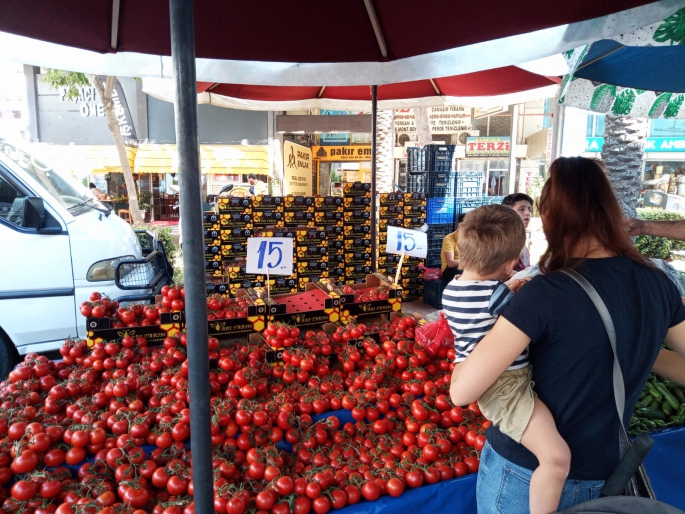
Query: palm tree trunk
x: 385, y: 142
x: 623, y: 153
x: 106, y: 97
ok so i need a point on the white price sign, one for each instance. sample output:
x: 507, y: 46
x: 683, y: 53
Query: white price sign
x: 270, y: 255
x: 413, y: 243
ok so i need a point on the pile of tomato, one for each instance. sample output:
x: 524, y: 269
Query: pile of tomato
x: 221, y: 307
x: 136, y: 314
x: 105, y: 429
x: 369, y: 294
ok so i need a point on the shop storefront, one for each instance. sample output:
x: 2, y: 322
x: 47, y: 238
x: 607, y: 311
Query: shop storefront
x: 337, y: 165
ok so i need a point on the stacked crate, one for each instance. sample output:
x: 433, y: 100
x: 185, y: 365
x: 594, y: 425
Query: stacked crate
x: 357, y: 231
x: 329, y: 214
x: 407, y: 210
x: 310, y: 256
x: 281, y: 284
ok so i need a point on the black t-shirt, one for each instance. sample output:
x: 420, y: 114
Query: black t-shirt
x: 572, y: 358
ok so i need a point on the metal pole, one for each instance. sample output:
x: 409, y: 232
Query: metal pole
x: 185, y: 111
x: 512, y: 149
x: 374, y: 150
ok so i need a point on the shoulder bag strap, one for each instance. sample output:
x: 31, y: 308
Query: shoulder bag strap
x: 619, y: 387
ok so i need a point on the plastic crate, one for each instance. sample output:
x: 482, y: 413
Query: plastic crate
x: 432, y: 183
x: 432, y: 293
x: 469, y: 184
x: 417, y: 159
x: 440, y: 211
x: 441, y: 158
x: 435, y: 235
x: 433, y: 259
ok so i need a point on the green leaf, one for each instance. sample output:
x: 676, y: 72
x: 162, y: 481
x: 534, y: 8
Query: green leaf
x: 672, y: 29
x: 674, y: 106
x: 602, y: 94
x: 624, y: 102
x: 659, y: 104
x: 70, y: 80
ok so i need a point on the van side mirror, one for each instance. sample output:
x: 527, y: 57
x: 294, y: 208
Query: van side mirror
x: 34, y: 212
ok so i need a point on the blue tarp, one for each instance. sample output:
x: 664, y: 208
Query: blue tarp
x: 665, y: 466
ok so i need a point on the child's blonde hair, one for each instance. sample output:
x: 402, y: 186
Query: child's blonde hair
x: 489, y: 237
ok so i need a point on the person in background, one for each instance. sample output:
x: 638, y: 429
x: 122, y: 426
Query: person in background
x: 449, y: 254
x: 96, y: 192
x: 259, y: 188
x: 523, y: 205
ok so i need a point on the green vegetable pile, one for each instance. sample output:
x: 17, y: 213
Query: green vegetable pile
x: 661, y: 404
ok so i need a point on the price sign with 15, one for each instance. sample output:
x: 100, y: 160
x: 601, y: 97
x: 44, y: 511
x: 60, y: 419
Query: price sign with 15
x: 413, y: 243
x: 270, y: 255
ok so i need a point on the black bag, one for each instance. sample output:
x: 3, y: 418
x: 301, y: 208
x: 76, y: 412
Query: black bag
x: 630, y: 477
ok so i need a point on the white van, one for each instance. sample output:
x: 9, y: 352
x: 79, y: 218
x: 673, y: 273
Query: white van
x: 57, y: 245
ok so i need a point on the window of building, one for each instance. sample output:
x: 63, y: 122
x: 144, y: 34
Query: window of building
x: 667, y: 128
x: 595, y: 125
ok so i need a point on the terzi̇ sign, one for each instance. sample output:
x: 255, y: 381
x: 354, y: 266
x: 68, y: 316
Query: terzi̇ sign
x: 487, y: 146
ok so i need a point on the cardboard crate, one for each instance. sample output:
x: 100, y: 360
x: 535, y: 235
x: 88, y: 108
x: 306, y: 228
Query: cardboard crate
x: 325, y: 203
x: 268, y: 217
x: 349, y: 308
x: 266, y: 201
x: 358, y: 243
x: 213, y: 268
x: 267, y: 225
x: 234, y: 204
x: 293, y: 203
x: 357, y: 202
x: 414, y: 222
x: 329, y: 217
x: 356, y: 189
x: 236, y: 235
x: 335, y: 230
x: 383, y: 223
x: 358, y: 229
x: 357, y: 216
x: 276, y: 232
x: 357, y: 269
x: 415, y: 198
x: 311, y: 251
x: 231, y: 250
x: 324, y: 306
x: 391, y: 211
x: 311, y: 235
x: 100, y: 330
x: 235, y: 220
x: 310, y: 267
x: 390, y: 199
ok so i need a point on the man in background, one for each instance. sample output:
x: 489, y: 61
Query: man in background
x: 259, y: 188
x: 449, y: 254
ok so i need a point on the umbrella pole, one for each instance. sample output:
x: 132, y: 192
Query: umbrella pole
x: 374, y: 149
x: 187, y: 143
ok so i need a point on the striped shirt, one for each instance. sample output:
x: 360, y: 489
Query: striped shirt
x: 471, y: 308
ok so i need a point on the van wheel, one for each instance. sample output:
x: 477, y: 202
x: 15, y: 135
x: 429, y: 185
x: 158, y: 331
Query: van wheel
x: 8, y: 356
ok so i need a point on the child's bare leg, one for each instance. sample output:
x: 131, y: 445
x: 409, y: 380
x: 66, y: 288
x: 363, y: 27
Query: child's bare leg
x: 541, y: 438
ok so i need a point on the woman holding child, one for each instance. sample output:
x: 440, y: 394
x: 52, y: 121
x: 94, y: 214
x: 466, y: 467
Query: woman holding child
x: 552, y: 324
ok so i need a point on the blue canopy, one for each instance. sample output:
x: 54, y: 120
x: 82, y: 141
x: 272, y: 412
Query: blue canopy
x: 654, y: 68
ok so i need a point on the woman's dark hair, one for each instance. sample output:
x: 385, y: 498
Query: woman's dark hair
x: 91, y: 186
x: 578, y: 204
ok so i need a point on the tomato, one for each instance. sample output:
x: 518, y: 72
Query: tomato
x: 136, y: 497
x: 24, y: 490
x: 50, y: 488
x: 394, y: 487
x: 25, y: 462
x: 321, y: 505
x: 265, y: 500
x: 414, y: 479
x: 176, y: 485
x: 371, y: 491
x: 471, y: 463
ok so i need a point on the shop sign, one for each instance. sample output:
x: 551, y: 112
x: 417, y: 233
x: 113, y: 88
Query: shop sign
x: 665, y: 144
x: 487, y: 146
x: 482, y: 113
x: 443, y: 120
x: 342, y: 153
x: 652, y: 144
x: 297, y: 167
x: 334, y: 139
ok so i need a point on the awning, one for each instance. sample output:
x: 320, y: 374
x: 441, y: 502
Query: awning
x: 83, y: 160
x: 214, y: 159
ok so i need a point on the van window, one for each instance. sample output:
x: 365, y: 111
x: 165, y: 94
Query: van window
x: 72, y: 195
x: 11, y: 202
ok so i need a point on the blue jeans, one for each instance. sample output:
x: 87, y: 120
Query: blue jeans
x: 503, y: 486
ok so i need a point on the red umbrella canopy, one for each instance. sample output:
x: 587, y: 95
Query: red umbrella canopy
x: 500, y: 81
x: 306, y: 31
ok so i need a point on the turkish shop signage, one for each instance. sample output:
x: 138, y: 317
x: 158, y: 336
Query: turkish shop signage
x: 443, y: 120
x: 342, y: 153
x: 297, y: 167
x: 652, y: 144
x: 487, y: 146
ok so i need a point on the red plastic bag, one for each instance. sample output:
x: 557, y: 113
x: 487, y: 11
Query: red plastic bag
x: 434, y: 335
x: 431, y: 273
